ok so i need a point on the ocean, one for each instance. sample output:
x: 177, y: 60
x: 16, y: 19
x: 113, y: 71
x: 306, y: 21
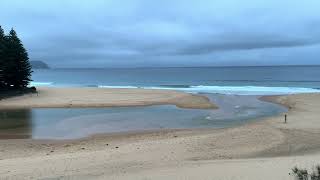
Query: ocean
x: 225, y: 80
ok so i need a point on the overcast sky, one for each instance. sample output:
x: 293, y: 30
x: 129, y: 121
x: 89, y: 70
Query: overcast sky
x: 133, y: 33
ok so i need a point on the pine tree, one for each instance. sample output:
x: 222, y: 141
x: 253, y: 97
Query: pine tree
x: 17, y: 71
x: 2, y: 57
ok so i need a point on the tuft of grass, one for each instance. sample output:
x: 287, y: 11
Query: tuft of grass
x: 303, y: 174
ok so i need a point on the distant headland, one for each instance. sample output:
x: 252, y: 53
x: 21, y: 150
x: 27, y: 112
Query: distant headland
x: 39, y: 65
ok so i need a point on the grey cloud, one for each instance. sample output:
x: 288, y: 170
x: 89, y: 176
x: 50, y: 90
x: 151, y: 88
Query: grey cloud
x: 164, y: 33
x: 244, y: 43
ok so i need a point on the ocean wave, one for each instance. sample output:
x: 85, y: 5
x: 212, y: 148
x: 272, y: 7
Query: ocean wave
x: 232, y: 90
x: 41, y: 83
x: 175, y: 86
x: 245, y: 90
x: 119, y: 87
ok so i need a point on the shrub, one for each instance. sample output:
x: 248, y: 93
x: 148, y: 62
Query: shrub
x: 303, y: 174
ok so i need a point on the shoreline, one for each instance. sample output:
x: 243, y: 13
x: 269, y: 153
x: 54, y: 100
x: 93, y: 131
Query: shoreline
x: 226, y: 116
x: 99, y: 97
x: 265, y: 149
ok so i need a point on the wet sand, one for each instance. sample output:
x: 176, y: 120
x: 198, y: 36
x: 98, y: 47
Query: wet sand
x: 102, y: 97
x: 265, y: 149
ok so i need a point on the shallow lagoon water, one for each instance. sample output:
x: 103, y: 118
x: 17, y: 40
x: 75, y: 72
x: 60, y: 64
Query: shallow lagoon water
x: 72, y: 123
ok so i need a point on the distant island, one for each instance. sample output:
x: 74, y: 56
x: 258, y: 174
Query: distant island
x: 39, y: 65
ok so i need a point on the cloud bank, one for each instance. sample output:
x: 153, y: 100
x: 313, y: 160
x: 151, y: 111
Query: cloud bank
x: 134, y: 33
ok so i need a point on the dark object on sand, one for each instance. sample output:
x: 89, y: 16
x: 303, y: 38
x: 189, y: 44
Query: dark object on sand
x: 285, y: 118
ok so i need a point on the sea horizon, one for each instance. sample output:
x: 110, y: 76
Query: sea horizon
x: 205, y: 66
x: 242, y: 80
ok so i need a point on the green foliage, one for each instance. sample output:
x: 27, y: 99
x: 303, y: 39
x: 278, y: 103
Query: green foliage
x: 15, y: 69
x: 2, y: 50
x: 303, y: 174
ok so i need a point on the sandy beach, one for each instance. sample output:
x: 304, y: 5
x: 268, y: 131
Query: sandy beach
x: 266, y: 149
x: 102, y: 97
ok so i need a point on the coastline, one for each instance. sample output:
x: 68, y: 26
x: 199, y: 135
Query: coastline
x: 265, y: 149
x: 103, y: 97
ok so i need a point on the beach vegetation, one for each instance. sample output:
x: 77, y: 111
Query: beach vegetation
x: 2, y: 51
x: 15, y: 68
x: 303, y: 174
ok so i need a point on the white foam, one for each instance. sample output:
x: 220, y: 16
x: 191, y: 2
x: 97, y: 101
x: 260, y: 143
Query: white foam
x: 232, y: 90
x: 119, y: 87
x: 41, y: 83
x: 243, y: 90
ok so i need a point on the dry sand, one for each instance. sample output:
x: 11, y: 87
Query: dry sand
x: 102, y: 97
x: 266, y: 149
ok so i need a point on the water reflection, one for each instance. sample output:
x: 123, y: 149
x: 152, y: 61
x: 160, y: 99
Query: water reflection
x: 69, y: 123
x: 15, y: 123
